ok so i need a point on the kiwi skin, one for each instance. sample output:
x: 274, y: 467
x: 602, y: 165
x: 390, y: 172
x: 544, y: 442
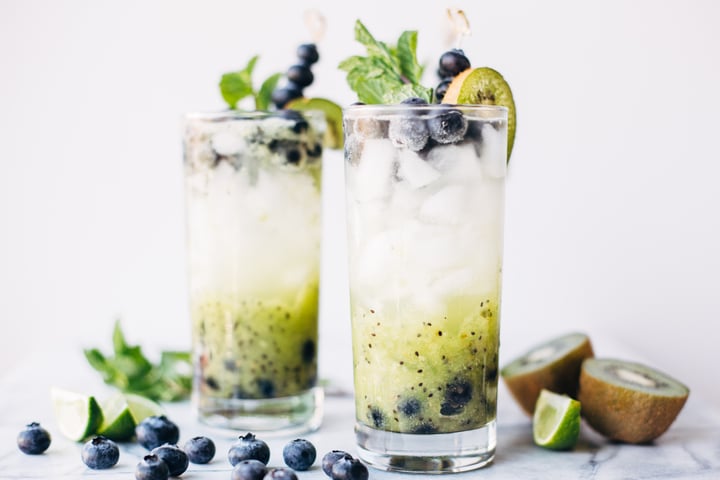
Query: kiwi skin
x: 560, y: 376
x: 625, y: 414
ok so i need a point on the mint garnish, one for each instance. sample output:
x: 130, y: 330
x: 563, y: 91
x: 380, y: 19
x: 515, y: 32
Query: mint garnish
x: 388, y: 74
x: 235, y: 86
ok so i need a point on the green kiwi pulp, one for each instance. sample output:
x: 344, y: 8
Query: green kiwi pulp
x: 553, y: 365
x: 629, y: 402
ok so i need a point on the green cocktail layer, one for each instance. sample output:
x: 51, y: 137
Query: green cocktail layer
x: 422, y: 373
x: 254, y: 348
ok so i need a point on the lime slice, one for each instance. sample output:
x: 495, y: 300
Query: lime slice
x: 122, y: 412
x: 556, y: 421
x: 78, y: 415
x: 333, y: 116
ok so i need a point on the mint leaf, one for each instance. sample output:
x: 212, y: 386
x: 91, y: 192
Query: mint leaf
x: 263, y: 96
x: 407, y: 56
x: 235, y: 86
x: 397, y: 95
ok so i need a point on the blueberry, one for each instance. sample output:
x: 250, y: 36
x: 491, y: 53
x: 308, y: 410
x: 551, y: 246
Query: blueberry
x: 300, y: 75
x: 457, y: 394
x: 300, y: 125
x: 376, y: 416
x: 266, y: 386
x: 308, y: 54
x: 248, y: 447
x: 308, y: 348
x: 34, y: 440
x: 448, y: 127
x: 151, y: 467
x: 349, y: 469
x: 452, y: 63
x: 280, y: 474
x: 299, y: 454
x: 249, y: 470
x: 442, y: 89
x: 155, y: 431
x: 100, y: 453
x: 409, y: 132
x: 414, y: 101
x: 409, y: 407
x: 200, y: 450
x: 425, y: 429
x: 330, y: 458
x: 281, y: 96
x: 174, y: 457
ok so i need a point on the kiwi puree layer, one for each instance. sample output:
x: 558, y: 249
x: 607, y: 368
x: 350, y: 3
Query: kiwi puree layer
x: 252, y: 348
x: 421, y: 373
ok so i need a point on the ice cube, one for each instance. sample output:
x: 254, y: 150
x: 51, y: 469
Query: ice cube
x: 447, y: 206
x: 494, y: 151
x: 416, y: 171
x: 370, y: 179
x: 456, y: 162
x: 454, y: 282
x: 377, y: 258
x: 227, y: 143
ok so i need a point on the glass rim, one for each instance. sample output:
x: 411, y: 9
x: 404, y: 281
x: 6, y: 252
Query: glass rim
x: 487, y: 111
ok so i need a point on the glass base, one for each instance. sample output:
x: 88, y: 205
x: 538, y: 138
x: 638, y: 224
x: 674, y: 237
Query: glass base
x: 282, y: 416
x: 427, y: 453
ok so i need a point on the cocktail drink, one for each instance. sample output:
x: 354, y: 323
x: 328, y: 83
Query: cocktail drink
x: 425, y: 206
x: 253, y: 220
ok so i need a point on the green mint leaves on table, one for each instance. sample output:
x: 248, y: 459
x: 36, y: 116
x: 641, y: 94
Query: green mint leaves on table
x: 388, y: 74
x: 130, y: 371
x: 235, y: 86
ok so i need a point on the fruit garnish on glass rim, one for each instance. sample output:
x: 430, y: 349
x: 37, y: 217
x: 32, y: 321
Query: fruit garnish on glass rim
x: 286, y: 91
x: 390, y: 74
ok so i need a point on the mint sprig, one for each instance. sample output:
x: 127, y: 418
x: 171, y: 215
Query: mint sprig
x: 130, y: 371
x: 388, y: 74
x: 235, y: 86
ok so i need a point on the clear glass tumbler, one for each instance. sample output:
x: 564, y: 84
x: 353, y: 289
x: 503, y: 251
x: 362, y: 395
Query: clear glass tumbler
x: 425, y: 210
x: 253, y: 228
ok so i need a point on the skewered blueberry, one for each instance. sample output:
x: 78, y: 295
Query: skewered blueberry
x: 155, y: 431
x: 174, y: 457
x: 300, y: 75
x: 249, y: 470
x: 349, y: 469
x: 151, y: 467
x: 200, y: 450
x: 280, y: 474
x: 452, y: 63
x: 442, y: 89
x: 248, y: 447
x: 281, y: 96
x: 330, y: 458
x: 34, y: 440
x: 308, y: 54
x: 100, y: 453
x: 448, y: 127
x: 299, y: 454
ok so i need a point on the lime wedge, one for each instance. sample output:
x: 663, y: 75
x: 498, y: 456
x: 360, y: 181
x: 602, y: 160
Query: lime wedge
x: 78, y: 415
x: 556, y: 421
x: 122, y: 412
x: 333, y: 116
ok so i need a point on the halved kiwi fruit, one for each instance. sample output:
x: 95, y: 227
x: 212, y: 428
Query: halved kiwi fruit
x: 333, y: 116
x: 553, y: 365
x: 628, y: 401
x: 484, y: 86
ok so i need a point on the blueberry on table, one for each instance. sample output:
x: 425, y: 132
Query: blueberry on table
x: 248, y: 447
x: 299, y: 454
x: 155, y: 431
x: 280, y: 474
x: 151, y: 467
x: 200, y: 450
x: 174, y: 457
x: 330, y: 458
x: 249, y: 470
x: 34, y: 440
x: 452, y: 63
x: 308, y: 54
x: 100, y: 453
x: 300, y: 75
x: 349, y: 469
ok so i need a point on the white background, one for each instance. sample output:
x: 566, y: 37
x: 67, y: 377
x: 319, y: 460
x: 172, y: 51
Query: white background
x: 613, y: 222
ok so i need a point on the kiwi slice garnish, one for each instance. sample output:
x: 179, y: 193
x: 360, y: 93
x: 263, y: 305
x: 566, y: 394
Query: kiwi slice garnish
x: 484, y: 86
x: 553, y: 365
x: 629, y: 402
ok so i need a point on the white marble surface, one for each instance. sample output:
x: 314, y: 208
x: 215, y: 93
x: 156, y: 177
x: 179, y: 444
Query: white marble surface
x: 690, y: 449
